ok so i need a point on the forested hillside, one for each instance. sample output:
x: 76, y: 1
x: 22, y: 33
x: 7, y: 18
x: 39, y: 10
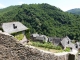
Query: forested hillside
x: 75, y: 11
x: 44, y: 19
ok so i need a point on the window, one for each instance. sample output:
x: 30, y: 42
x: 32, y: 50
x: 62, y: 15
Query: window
x: 68, y: 42
x: 76, y: 46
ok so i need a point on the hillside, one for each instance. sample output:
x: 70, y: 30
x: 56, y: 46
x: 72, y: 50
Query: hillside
x: 44, y: 19
x: 75, y: 11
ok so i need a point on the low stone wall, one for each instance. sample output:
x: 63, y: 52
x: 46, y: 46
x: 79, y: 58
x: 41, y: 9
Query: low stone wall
x: 79, y: 56
x: 10, y: 49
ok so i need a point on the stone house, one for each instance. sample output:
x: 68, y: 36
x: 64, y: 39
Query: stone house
x: 66, y: 42
x: 38, y: 37
x: 14, y: 27
x: 54, y: 40
x: 33, y: 36
x: 63, y: 42
x: 77, y: 45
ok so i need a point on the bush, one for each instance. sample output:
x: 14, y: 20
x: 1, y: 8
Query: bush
x: 18, y: 35
x: 67, y: 49
x: 57, y: 47
x: 46, y: 45
x: 27, y: 33
x: 37, y: 44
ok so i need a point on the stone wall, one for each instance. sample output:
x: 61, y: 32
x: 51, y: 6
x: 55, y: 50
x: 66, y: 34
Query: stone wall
x: 10, y: 49
x: 79, y: 56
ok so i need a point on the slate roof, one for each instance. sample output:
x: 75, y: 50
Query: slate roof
x: 35, y: 35
x: 40, y: 38
x: 12, y: 27
x: 56, y: 41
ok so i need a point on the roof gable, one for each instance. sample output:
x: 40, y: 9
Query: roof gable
x: 65, y: 41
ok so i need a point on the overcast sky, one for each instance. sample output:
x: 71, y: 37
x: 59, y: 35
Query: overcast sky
x: 62, y: 4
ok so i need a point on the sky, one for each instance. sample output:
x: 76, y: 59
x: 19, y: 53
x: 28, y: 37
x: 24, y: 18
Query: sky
x: 62, y: 4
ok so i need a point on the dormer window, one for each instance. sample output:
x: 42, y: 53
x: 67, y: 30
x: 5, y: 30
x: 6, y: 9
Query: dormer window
x: 68, y: 42
x: 76, y: 46
x: 14, y: 26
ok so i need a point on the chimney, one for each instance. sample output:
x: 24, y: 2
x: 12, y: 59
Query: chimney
x: 14, y: 26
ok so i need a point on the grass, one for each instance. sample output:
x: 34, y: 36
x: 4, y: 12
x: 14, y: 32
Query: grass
x: 48, y: 46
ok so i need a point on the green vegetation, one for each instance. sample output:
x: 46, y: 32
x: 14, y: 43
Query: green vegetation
x: 18, y: 35
x: 27, y: 33
x: 67, y: 49
x: 49, y: 46
x: 46, y: 45
x: 44, y: 19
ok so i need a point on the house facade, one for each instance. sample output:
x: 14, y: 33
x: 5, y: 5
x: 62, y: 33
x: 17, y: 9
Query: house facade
x: 66, y: 42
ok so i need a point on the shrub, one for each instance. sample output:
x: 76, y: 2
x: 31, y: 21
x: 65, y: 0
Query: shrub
x: 67, y: 49
x: 27, y: 33
x: 46, y: 45
x: 18, y: 35
x: 57, y: 47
